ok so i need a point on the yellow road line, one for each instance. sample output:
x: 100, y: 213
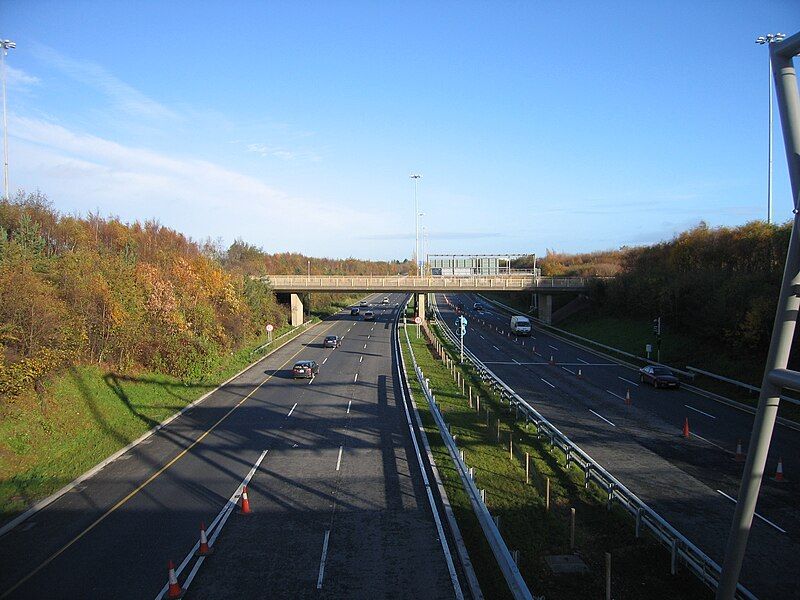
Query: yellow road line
x: 150, y: 479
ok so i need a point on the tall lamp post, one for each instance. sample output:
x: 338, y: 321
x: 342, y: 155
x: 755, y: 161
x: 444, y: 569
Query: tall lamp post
x: 770, y: 38
x: 416, y: 178
x: 5, y: 46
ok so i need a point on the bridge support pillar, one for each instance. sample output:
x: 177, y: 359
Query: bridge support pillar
x: 420, y: 302
x: 297, y: 310
x: 545, y: 302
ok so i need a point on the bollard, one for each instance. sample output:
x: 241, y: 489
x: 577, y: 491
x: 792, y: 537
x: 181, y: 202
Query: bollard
x: 527, y: 467
x: 547, y: 495
x: 572, y: 528
x: 608, y: 576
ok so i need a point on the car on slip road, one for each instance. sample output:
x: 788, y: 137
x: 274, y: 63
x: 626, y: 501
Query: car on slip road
x: 386, y: 301
x: 363, y: 303
x: 355, y: 310
x: 369, y: 316
x: 305, y: 369
x: 659, y: 377
x: 332, y: 341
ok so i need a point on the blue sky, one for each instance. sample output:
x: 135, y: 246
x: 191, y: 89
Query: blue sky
x: 295, y: 125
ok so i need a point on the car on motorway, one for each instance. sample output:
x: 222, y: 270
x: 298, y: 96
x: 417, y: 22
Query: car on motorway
x: 369, y: 316
x: 385, y: 301
x: 355, y: 310
x: 659, y: 377
x: 478, y: 307
x: 520, y: 325
x: 363, y: 303
x: 305, y: 369
x: 332, y: 341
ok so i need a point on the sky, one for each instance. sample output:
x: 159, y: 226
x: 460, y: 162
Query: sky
x: 295, y: 126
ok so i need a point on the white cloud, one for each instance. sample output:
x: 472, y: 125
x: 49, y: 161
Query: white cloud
x: 197, y: 197
x: 17, y: 78
x: 267, y: 151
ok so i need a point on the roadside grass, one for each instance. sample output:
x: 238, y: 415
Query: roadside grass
x: 678, y: 349
x: 640, y: 566
x: 87, y: 413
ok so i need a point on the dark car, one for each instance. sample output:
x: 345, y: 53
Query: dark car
x: 332, y: 341
x: 305, y: 369
x: 369, y: 316
x: 478, y: 306
x: 355, y: 310
x: 658, y: 377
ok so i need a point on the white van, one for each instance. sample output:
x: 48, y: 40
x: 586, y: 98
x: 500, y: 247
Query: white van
x: 520, y: 325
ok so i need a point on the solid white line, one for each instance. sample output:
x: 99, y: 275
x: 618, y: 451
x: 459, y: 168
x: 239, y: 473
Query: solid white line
x: 553, y: 347
x: 349, y: 402
x: 547, y: 382
x: 360, y: 359
x: 322, y: 560
x: 355, y: 379
x: 617, y: 395
x: 583, y: 361
x: 339, y: 460
x: 767, y: 521
x: 496, y: 348
x: 602, y: 417
x: 291, y: 411
x: 693, y: 434
x: 700, y: 411
x: 325, y: 360
x: 369, y: 336
x: 365, y: 346
x: 629, y: 381
x: 310, y: 381
x: 568, y: 371
x: 515, y: 361
x: 483, y: 338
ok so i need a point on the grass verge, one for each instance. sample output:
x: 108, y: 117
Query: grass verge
x: 640, y: 566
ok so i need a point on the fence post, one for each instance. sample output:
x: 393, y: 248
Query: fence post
x: 483, y: 496
x: 572, y: 528
x: 527, y: 467
x: 547, y: 495
x: 610, y: 496
x: 498, y: 429
x: 673, y: 563
x: 608, y: 576
x: 478, y: 403
x: 511, y: 445
x: 586, y: 473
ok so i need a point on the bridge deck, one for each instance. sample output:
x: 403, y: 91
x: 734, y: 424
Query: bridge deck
x: 394, y: 283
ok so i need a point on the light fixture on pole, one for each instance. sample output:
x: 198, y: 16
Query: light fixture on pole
x: 416, y: 177
x: 770, y: 38
x: 5, y: 46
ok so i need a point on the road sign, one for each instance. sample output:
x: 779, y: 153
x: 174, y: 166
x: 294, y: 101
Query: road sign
x: 270, y: 327
x: 417, y: 320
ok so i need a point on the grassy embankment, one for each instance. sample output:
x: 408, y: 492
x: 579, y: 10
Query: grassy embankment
x: 90, y: 413
x: 678, y: 349
x: 640, y: 566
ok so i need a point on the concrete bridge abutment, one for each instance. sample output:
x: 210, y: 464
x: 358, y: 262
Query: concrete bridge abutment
x: 545, y: 304
x: 296, y: 310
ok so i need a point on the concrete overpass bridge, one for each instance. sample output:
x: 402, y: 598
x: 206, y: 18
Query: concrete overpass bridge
x: 545, y: 287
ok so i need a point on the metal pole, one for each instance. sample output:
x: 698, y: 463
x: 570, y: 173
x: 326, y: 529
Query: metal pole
x: 769, y: 173
x: 6, y: 44
x: 783, y: 329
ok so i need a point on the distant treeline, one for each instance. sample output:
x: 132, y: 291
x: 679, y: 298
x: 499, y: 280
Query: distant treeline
x: 91, y: 289
x: 718, y: 283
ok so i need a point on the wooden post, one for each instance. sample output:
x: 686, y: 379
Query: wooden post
x: 511, y: 445
x: 572, y: 528
x: 470, y: 396
x: 498, y: 429
x: 527, y: 467
x: 547, y: 495
x: 608, y: 576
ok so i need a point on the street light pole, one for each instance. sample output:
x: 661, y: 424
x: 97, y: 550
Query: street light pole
x: 5, y: 46
x: 770, y: 38
x: 416, y: 177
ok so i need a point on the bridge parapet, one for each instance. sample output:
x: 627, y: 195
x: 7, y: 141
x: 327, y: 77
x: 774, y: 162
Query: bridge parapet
x: 395, y: 283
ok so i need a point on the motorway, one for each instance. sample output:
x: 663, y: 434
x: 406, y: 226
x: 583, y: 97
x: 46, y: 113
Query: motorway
x: 339, y: 507
x: 691, y: 482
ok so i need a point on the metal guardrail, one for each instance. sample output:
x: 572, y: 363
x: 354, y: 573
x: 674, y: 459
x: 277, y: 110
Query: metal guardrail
x: 294, y: 283
x: 680, y: 547
x: 516, y: 584
x: 740, y: 384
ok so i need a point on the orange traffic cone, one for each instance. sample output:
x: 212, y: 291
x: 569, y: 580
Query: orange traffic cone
x: 580, y: 375
x: 245, y: 506
x: 628, y: 397
x: 686, y: 427
x: 174, y: 590
x: 779, y: 472
x: 739, y: 457
x: 204, y: 549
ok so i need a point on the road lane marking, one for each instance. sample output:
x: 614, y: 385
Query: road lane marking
x: 349, y: 402
x: 629, y: 381
x: 583, y: 361
x: 602, y: 417
x: 355, y: 379
x: 617, y: 395
x: 155, y: 475
x: 291, y: 411
x: 700, y: 411
x: 360, y: 359
x: 496, y: 348
x: 568, y: 371
x: 369, y: 336
x: 767, y: 521
x: 310, y: 381
x: 547, y: 382
x: 325, y: 360
x: 365, y: 346
x: 480, y: 334
x: 553, y: 347
x: 693, y: 434
x: 515, y: 361
x: 339, y: 460
x: 322, y: 560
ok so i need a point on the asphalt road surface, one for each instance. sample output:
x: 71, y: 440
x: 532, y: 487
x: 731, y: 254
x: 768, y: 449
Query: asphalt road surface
x: 339, y: 472
x: 692, y: 482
